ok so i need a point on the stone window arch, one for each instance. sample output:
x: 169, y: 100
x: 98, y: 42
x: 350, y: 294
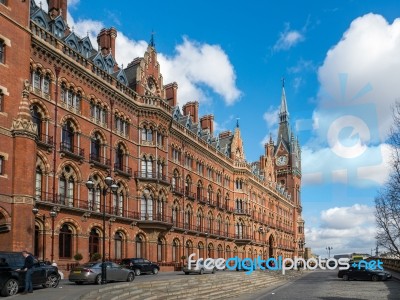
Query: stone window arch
x: 67, y: 185
x: 146, y: 205
x: 65, y: 241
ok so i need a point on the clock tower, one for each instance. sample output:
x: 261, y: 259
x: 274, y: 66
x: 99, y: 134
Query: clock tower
x: 287, y: 156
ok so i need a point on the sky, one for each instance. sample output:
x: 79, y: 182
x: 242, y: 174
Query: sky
x: 341, y: 64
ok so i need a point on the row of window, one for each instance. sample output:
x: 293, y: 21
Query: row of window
x: 66, y: 241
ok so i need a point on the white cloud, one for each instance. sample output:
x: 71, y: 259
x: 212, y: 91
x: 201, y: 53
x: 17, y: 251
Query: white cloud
x: 288, y: 39
x: 271, y: 117
x: 345, y: 229
x: 358, y: 86
x: 45, y: 6
x: 322, y: 163
x: 368, y: 54
x: 193, y: 66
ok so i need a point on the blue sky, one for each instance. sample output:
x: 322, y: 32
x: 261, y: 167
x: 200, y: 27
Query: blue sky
x: 340, y: 61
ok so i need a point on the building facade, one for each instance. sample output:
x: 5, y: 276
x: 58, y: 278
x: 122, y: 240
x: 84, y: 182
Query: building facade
x: 70, y: 114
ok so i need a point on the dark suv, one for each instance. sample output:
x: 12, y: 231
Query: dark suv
x: 11, y: 281
x: 140, y: 265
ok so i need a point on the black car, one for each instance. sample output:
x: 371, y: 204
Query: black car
x: 362, y: 273
x: 140, y: 265
x: 11, y: 281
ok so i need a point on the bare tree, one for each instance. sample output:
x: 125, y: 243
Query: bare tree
x: 387, y: 202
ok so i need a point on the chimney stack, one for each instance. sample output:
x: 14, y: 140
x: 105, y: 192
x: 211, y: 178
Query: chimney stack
x: 58, y: 7
x: 106, y: 40
x: 207, y: 122
x: 171, y: 91
x: 192, y: 109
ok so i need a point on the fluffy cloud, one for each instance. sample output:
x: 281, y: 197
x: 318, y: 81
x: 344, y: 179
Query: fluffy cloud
x: 271, y: 118
x: 346, y: 229
x: 196, y: 67
x: 358, y: 86
x: 288, y: 39
x: 368, y: 55
x: 196, y: 64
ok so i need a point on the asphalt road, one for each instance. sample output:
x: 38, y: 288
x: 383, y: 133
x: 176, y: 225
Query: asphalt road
x: 70, y: 291
x: 325, y: 285
x: 321, y: 285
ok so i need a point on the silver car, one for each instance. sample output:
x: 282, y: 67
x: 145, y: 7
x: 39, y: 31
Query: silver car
x: 198, y: 269
x: 91, y: 272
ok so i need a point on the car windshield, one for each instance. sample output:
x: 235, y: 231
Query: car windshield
x: 125, y: 262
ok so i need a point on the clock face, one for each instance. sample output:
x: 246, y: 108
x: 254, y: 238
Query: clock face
x: 281, y: 160
x: 151, y: 85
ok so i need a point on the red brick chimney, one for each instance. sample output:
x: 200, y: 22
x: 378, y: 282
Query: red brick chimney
x: 192, y: 108
x: 207, y: 122
x: 106, y: 40
x: 171, y: 91
x: 58, y: 7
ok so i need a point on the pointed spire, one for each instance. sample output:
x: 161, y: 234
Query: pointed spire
x: 284, y: 109
x: 152, y: 44
x: 237, y: 122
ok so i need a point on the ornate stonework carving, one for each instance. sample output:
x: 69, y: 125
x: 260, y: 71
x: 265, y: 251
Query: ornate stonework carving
x: 23, y: 125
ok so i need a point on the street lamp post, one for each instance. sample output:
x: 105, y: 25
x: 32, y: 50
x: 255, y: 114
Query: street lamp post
x: 109, y: 185
x: 53, y: 214
x: 329, y: 251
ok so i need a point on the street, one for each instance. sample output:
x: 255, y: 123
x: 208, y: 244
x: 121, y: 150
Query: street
x: 317, y: 284
x: 322, y: 284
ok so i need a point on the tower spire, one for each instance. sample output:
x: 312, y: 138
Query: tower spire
x: 152, y: 44
x: 283, y: 114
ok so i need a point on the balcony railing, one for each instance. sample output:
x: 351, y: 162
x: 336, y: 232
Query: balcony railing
x: 202, y: 200
x: 123, y: 170
x: 239, y: 211
x: 151, y: 176
x: 72, y: 151
x: 190, y: 195
x: 156, y: 217
x: 243, y: 236
x: 45, y: 140
x: 178, y: 190
x: 92, y: 207
x: 100, y: 160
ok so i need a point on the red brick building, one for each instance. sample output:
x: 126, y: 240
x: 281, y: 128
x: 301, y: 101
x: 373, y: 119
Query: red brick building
x: 69, y: 113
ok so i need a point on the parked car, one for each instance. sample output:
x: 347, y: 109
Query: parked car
x: 11, y: 281
x: 140, y: 265
x: 363, y: 274
x: 198, y: 269
x: 91, y: 272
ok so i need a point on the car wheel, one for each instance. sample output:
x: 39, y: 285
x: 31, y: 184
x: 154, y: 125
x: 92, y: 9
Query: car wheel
x: 201, y: 271
x: 155, y: 271
x: 98, y: 279
x: 52, y: 281
x: 131, y: 277
x: 375, y: 278
x: 10, y: 288
x: 79, y: 282
x: 213, y: 271
x: 137, y: 272
x: 345, y: 277
x: 186, y: 273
